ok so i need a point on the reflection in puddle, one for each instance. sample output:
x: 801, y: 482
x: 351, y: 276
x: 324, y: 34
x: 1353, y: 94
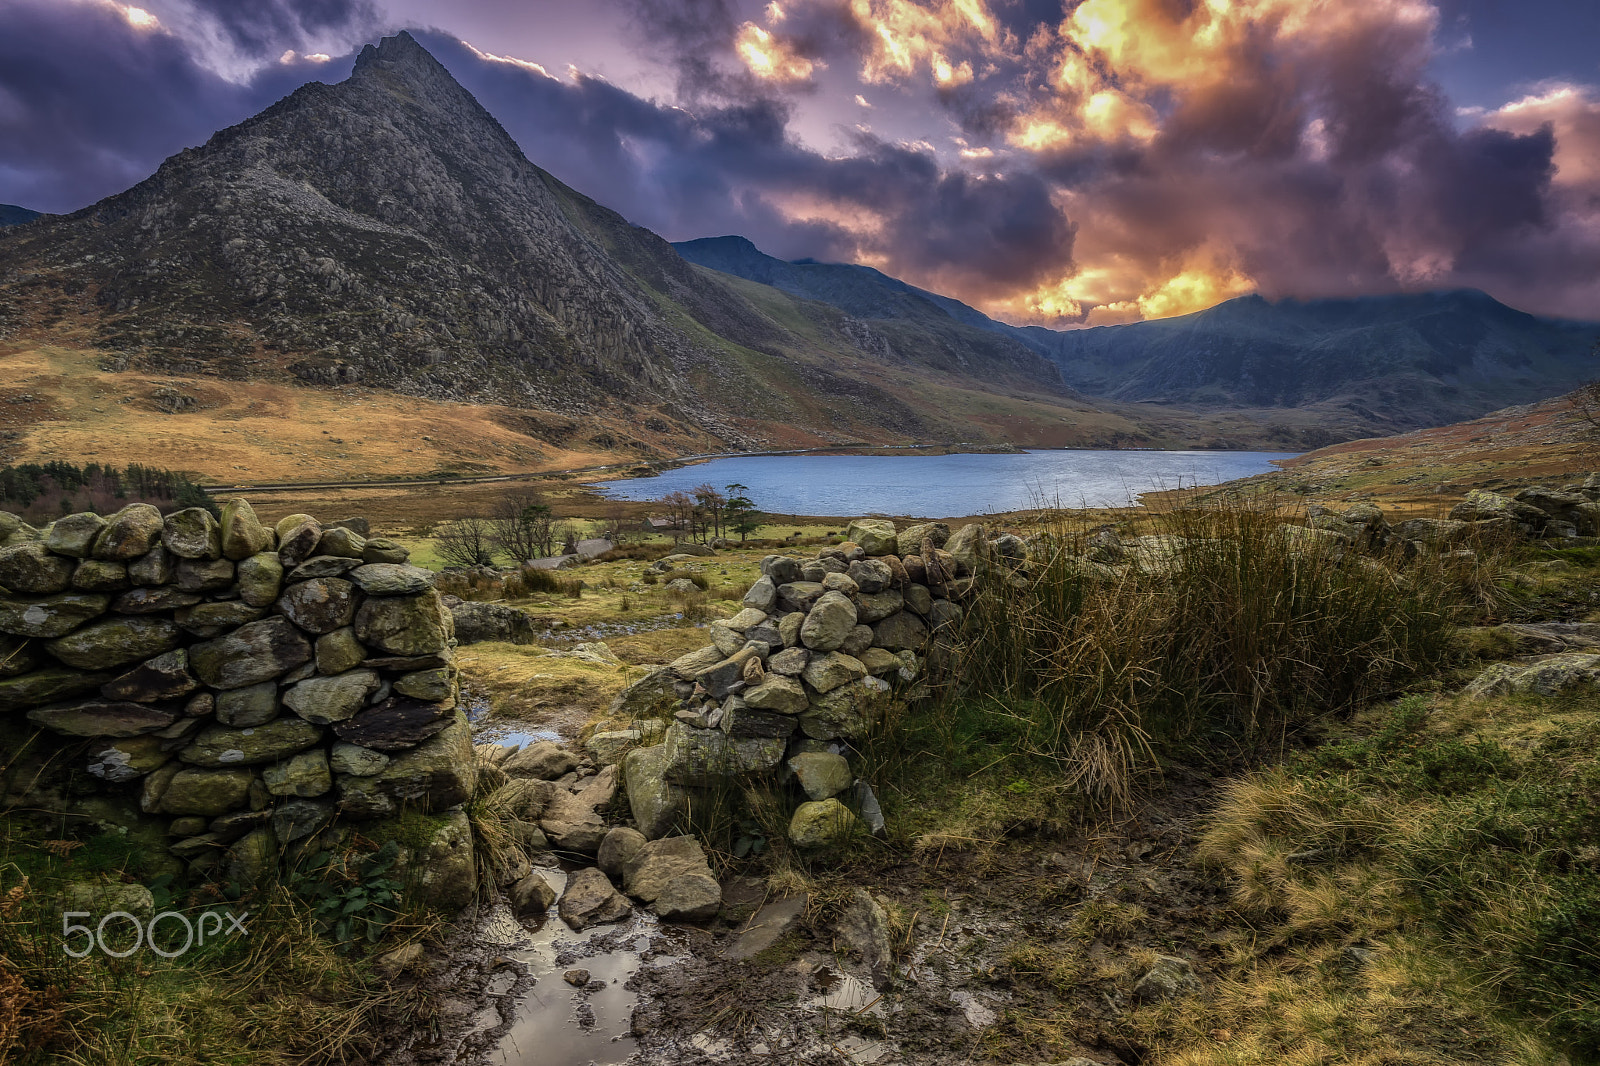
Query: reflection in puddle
x: 562, y: 1024
x: 513, y: 738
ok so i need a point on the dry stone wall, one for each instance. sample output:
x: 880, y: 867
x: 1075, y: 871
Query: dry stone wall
x: 246, y: 684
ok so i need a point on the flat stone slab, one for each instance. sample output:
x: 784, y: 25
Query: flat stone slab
x: 395, y: 724
x: 770, y: 922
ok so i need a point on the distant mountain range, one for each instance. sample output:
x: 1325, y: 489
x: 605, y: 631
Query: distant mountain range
x: 11, y: 215
x: 1393, y: 362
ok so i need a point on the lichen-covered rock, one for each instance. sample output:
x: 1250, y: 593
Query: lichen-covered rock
x: 544, y: 759
x: 242, y: 533
x: 443, y: 873
x: 100, y: 575
x: 101, y: 718
x: 876, y: 536
x: 391, y: 579
x: 30, y: 569
x: 404, y: 625
x: 222, y: 746
x: 778, y: 693
x: 154, y: 567
x: 125, y: 759
x: 828, y: 622
x: 129, y: 533
x: 436, y: 774
x: 322, y: 566
x: 260, y: 579
x: 1169, y: 978
x: 654, y: 801
x: 909, y: 540
x: 900, y: 632
x: 298, y: 543
x: 192, y: 533
x: 154, y: 601
x: 437, y: 685
x: 205, y: 618
x: 820, y: 823
x: 17, y: 656
x: 305, y: 774
x: 319, y: 605
x: 115, y: 641
x: 355, y: 760
x: 206, y: 792
x: 826, y: 672
x: 75, y: 534
x: 477, y: 622
x: 250, y: 654
x: 384, y: 550
x: 204, y: 575
x: 165, y: 677
x: 338, y: 541
x: 618, y: 848
x: 848, y: 711
x: 702, y: 756
x: 822, y: 773
x: 1554, y: 676
x: 339, y: 651
x: 250, y: 706
x: 798, y: 596
x: 49, y: 685
x: 1434, y: 532
x: 645, y: 697
x: 49, y: 616
x: 326, y: 700
x: 790, y: 662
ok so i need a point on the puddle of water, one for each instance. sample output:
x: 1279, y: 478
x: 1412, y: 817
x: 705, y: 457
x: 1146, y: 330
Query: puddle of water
x: 558, y: 1024
x: 841, y: 992
x: 517, y: 738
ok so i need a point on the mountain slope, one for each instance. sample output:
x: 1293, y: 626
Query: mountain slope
x: 1411, y: 360
x: 11, y: 215
x: 387, y: 231
x: 1390, y: 362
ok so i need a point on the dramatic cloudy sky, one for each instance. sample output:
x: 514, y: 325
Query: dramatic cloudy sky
x: 1056, y: 161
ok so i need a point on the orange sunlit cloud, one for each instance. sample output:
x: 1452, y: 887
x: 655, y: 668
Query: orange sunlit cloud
x: 769, y: 57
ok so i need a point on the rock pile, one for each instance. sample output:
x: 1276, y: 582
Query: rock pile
x: 247, y: 682
x: 802, y: 671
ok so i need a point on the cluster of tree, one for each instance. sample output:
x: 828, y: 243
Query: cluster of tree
x: 42, y: 491
x: 520, y: 526
x: 704, y: 513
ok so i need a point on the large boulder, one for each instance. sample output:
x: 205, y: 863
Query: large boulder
x: 703, y: 756
x: 242, y: 533
x: 206, y: 792
x: 115, y: 642
x: 819, y: 823
x: 673, y: 874
x: 320, y: 605
x: 477, y: 622
x: 75, y: 534
x: 876, y: 536
x: 250, y: 654
x: 50, y: 616
x: 192, y: 534
x: 442, y: 873
x: 326, y: 700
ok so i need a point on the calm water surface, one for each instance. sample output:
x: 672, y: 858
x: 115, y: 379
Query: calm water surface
x: 945, y: 485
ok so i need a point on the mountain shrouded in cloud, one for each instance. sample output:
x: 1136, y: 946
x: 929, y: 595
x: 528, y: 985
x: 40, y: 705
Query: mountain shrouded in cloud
x: 1096, y: 161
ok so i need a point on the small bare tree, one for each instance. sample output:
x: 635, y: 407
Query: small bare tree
x: 1586, y: 402
x: 523, y: 526
x: 465, y: 542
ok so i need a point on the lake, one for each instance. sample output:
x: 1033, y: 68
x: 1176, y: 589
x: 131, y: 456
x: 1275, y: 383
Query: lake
x: 941, y: 486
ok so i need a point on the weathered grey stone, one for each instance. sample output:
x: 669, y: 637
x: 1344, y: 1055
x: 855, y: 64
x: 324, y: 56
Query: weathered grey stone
x: 655, y: 801
x: 436, y: 774
x: 876, y: 536
x: 404, y: 625
x: 30, y: 569
x: 740, y: 720
x: 323, y: 566
x: 154, y: 567
x: 777, y: 693
x: 129, y: 533
x: 203, y: 575
x: 848, y: 711
x: 789, y: 628
x: 392, y: 579
x: 298, y: 543
x: 789, y: 662
x: 944, y: 617
x: 75, y: 534
x: 545, y: 760
x: 100, y: 575
x: 355, y: 760
x: 879, y: 662
x: 645, y: 697
x: 250, y: 706
x: 572, y: 825
x: 702, y: 756
x: 250, y: 654
x: 1434, y: 532
x: 590, y: 900
x: 192, y: 534
x: 242, y: 533
x: 297, y: 818
x: 828, y: 623
x: 859, y: 640
x: 725, y: 639
x: 871, y: 575
x: 1553, y: 676
x: 165, y: 677
x: 531, y: 895
x: 49, y: 616
x: 319, y: 605
x: 99, y: 898
x: 125, y: 759
x: 206, y: 792
x: 819, y: 823
x: 115, y: 641
x: 153, y: 601
x: 227, y: 614
x: 727, y: 676
x: 827, y: 672
x: 283, y: 526
x: 338, y: 541
x: 607, y: 747
x: 397, y: 723
x: 763, y: 595
x: 339, y: 651
x: 49, y: 685
x: 900, y: 632
x: 909, y: 540
x: 821, y: 773
x: 1170, y: 978
x: 326, y: 700
x: 222, y: 746
x: 843, y: 583
x: 673, y: 874
x: 871, y: 608
x: 305, y: 774
x: 443, y: 874
x: 798, y: 596
x: 438, y: 684
x: 970, y: 547
x: 384, y: 550
x: 618, y: 849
